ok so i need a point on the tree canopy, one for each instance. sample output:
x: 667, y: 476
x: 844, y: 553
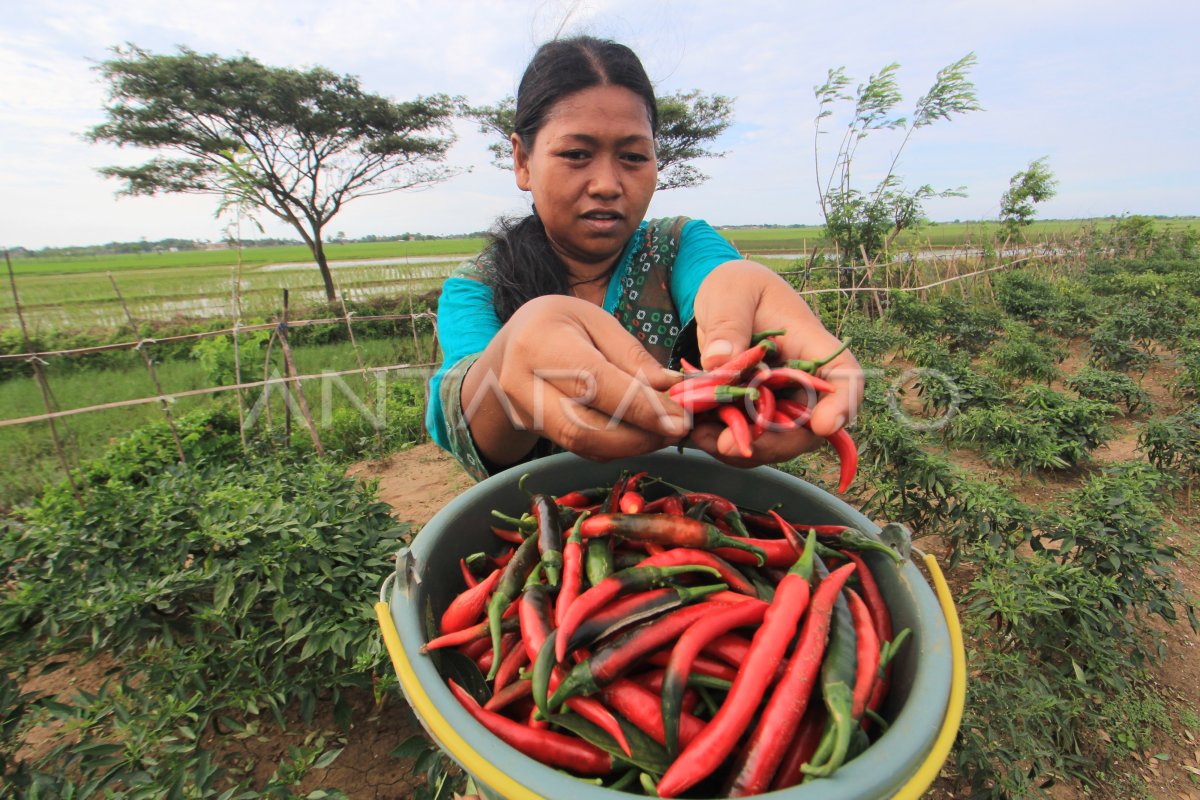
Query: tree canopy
x: 687, y: 123
x: 296, y: 143
x: 1034, y: 184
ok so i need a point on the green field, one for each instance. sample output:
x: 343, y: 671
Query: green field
x: 250, y: 256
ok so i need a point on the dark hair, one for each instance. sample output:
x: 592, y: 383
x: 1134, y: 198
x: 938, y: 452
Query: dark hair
x: 522, y: 263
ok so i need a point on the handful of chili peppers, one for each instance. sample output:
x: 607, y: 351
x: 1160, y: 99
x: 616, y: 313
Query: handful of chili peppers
x: 754, y: 392
x: 673, y: 643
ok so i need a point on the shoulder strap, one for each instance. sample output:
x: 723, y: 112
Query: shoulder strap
x: 646, y: 307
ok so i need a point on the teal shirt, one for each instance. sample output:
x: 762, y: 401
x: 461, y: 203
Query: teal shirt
x: 467, y: 319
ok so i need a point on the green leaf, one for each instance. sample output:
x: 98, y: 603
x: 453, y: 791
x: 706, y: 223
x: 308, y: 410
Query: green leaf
x: 223, y: 591
x: 647, y: 754
x: 327, y: 758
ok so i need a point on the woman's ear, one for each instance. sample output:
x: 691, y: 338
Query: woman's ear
x: 520, y: 163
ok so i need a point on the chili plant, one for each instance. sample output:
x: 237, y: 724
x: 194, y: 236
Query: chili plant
x: 1116, y: 388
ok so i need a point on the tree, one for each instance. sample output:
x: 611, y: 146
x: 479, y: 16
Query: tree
x: 687, y: 121
x: 298, y: 144
x: 864, y: 223
x: 1035, y: 184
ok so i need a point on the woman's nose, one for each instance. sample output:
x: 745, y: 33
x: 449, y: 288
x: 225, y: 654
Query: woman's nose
x: 605, y: 178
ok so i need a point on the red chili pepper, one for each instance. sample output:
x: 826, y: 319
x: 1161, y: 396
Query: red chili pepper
x: 706, y: 398
x: 764, y: 410
x: 701, y: 665
x: 465, y: 635
x: 641, y: 707
x: 549, y: 747
x: 680, y: 556
x: 880, y: 617
x: 510, y: 665
x: 777, y: 552
x: 473, y: 649
x: 468, y: 577
x: 866, y: 650
x: 802, y: 748
x: 665, y: 530
x: 583, y: 498
x: 717, y: 740
x: 793, y: 410
x: 735, y: 420
x: 688, y: 367
x: 509, y: 695
x: 468, y: 608
x: 507, y: 535
x: 632, y: 502
x: 687, y: 650
x: 848, y: 455
x: 788, y: 378
x: 749, y: 358
x: 762, y: 754
x: 508, y: 589
x: 616, y: 658
x: 572, y: 578
x: 721, y: 508
x: 595, y: 598
x: 730, y: 648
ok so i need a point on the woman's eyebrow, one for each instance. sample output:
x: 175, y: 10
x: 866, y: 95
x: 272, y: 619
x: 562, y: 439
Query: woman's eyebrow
x: 587, y: 138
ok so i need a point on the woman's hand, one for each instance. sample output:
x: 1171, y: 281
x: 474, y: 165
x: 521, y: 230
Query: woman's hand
x: 741, y: 297
x: 566, y: 369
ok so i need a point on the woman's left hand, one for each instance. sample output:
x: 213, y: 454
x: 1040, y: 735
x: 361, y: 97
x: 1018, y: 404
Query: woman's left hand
x: 742, y: 297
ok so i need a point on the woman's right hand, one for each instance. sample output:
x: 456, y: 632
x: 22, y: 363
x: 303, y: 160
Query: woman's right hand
x: 566, y: 369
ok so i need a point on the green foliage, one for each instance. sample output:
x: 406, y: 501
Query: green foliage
x: 216, y: 357
x: 1112, y: 348
x: 967, y: 326
x: 1111, y: 387
x: 1034, y: 184
x: 1025, y: 296
x: 948, y: 379
x: 1026, y: 354
x: 1186, y: 383
x: 865, y: 223
x: 1059, y: 641
x: 227, y: 588
x: 1172, y: 444
x: 356, y: 432
x: 916, y: 317
x: 296, y: 144
x: 870, y: 339
x: 1040, y: 429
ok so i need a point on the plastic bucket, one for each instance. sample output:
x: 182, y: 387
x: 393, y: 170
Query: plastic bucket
x: 928, y: 678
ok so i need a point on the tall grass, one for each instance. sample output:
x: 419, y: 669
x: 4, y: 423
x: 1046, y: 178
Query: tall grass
x: 27, y: 456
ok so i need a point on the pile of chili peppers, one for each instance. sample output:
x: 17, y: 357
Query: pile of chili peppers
x: 645, y: 635
x: 755, y: 392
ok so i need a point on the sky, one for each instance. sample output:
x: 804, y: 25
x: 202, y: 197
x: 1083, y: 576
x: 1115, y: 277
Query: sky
x: 1106, y: 91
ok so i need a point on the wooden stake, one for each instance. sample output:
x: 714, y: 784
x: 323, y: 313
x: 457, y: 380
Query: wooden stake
x: 294, y: 376
x: 359, y: 361
x: 237, y: 361
x: 42, y: 382
x: 150, y: 369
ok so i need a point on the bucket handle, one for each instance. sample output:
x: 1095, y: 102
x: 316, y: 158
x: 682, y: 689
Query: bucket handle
x: 925, y: 775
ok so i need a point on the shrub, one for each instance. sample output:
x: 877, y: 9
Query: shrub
x: 1110, y: 387
x: 1172, y: 444
x: 1027, y: 355
x: 1025, y: 296
x: 1040, y: 429
x: 228, y: 587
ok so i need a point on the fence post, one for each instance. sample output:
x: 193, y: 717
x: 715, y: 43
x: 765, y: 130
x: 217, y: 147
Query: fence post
x: 294, y: 377
x: 237, y: 360
x: 150, y: 369
x: 40, y: 378
x: 362, y: 367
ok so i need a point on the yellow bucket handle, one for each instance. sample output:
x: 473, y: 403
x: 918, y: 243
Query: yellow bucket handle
x: 479, y: 766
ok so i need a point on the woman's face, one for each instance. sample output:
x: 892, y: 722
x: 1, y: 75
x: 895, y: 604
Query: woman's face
x: 592, y: 173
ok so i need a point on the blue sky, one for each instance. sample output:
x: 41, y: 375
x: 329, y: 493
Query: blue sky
x: 1106, y: 91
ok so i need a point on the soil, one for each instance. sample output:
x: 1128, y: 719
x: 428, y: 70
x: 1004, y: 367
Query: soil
x: 419, y: 481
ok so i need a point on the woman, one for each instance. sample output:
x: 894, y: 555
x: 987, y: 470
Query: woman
x: 563, y: 332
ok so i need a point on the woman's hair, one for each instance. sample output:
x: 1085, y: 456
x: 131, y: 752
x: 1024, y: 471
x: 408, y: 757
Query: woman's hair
x: 522, y: 264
